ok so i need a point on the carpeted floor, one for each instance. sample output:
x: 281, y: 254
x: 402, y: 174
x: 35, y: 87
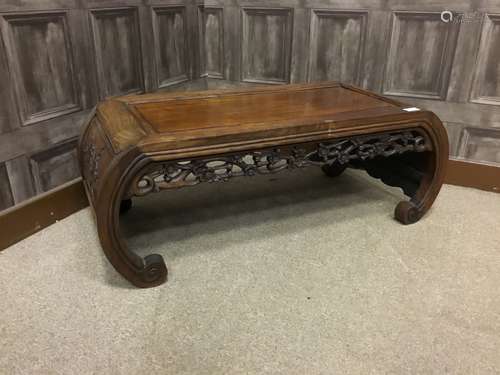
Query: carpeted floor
x: 290, y: 274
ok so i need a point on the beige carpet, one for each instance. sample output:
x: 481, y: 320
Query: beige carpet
x: 290, y: 274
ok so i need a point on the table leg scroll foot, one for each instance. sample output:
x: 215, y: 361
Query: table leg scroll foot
x: 142, y: 272
x: 146, y: 272
x: 407, y: 212
x: 154, y: 272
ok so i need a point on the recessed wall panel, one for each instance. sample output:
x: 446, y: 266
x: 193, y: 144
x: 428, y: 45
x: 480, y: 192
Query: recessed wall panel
x: 336, y: 45
x: 6, y: 199
x: 481, y: 144
x: 55, y: 166
x: 40, y: 58
x: 421, y: 53
x: 486, y: 88
x: 266, y: 45
x: 171, y: 45
x: 117, y: 51
x: 212, y: 34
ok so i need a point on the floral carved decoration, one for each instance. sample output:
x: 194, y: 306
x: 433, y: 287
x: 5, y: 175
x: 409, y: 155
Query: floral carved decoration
x: 177, y: 174
x: 92, y: 157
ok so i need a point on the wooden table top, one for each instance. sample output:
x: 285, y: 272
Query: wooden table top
x: 165, y: 121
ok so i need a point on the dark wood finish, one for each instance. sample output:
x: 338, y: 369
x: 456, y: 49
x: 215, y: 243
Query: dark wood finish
x: 475, y: 175
x: 38, y: 213
x: 140, y: 144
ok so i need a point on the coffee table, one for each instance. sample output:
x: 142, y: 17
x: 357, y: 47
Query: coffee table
x: 140, y: 144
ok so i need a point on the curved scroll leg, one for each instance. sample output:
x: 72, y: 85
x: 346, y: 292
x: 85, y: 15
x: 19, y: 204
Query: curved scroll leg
x: 430, y: 168
x: 144, y: 272
x: 334, y: 169
x: 431, y: 180
x: 418, y: 174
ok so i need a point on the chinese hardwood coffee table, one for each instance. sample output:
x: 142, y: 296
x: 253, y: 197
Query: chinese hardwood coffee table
x: 140, y: 144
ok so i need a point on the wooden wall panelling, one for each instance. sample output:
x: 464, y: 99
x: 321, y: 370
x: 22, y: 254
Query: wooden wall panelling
x: 37, y: 131
x: 147, y: 42
x: 211, y: 31
x: 336, y: 45
x: 420, y: 56
x: 171, y: 45
x: 20, y: 178
x: 37, y: 5
x: 300, y: 44
x: 6, y: 199
x: 266, y: 42
x: 116, y: 4
x: 55, y: 166
x: 486, y: 86
x: 462, y: 72
x: 84, y: 63
x: 377, y: 41
x: 232, y: 43
x: 194, y: 38
x: 203, y: 42
x: 454, y: 130
x: 117, y: 47
x: 31, y: 139
x: 41, y: 63
x: 8, y: 118
x: 45, y: 68
x: 480, y: 144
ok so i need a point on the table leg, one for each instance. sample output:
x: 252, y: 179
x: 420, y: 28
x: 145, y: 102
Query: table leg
x: 419, y: 175
x: 409, y: 212
x: 144, y: 272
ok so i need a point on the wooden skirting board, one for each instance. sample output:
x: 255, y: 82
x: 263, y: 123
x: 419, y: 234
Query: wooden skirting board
x: 34, y: 215
x: 475, y: 175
